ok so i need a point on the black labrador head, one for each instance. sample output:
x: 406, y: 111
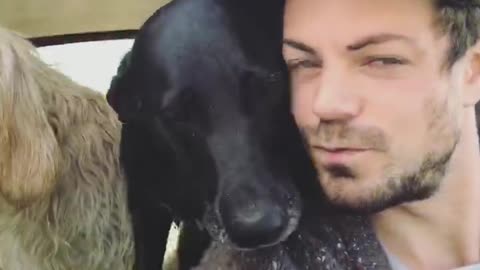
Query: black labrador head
x: 207, y: 83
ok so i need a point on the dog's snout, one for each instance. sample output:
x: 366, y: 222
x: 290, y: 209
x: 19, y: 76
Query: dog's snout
x: 253, y: 223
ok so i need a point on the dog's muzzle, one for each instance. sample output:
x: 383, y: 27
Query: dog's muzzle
x: 247, y: 222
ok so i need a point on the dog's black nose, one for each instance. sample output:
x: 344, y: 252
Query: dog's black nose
x: 255, y: 223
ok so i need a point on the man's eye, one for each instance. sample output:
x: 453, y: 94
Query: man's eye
x: 296, y: 64
x: 385, y: 61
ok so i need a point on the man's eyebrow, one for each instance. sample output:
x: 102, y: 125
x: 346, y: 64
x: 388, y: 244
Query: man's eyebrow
x: 377, y: 39
x: 299, y: 46
x: 358, y: 45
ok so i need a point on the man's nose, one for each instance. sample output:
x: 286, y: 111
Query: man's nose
x: 336, y: 98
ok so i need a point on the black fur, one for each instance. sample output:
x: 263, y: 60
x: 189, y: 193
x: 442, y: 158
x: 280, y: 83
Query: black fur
x: 208, y: 138
x: 336, y: 243
x: 207, y: 131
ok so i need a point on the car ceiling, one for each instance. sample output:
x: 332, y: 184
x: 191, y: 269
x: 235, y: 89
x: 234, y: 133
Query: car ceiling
x: 53, y: 22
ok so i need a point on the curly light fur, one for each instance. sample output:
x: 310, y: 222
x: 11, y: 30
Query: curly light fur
x: 62, y: 193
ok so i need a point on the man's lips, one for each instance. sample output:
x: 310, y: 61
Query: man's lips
x: 339, y: 148
x: 338, y: 155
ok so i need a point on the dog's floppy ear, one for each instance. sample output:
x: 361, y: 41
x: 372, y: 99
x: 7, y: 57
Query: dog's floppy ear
x: 121, y: 95
x: 30, y: 155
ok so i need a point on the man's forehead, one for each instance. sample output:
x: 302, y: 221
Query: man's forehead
x: 362, y: 5
x: 349, y: 23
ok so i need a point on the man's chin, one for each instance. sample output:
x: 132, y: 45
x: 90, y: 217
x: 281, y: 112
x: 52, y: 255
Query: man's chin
x: 349, y: 196
x: 375, y: 204
x: 357, y: 208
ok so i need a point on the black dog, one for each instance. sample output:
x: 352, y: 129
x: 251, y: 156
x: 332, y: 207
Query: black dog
x: 208, y: 139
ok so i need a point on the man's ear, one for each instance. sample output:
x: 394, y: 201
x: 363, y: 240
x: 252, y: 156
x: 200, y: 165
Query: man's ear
x: 472, y: 76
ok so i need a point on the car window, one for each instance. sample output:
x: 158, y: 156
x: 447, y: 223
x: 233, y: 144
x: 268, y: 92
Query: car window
x: 89, y: 63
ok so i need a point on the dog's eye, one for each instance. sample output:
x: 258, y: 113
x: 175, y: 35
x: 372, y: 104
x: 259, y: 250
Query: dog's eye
x: 261, y: 90
x: 274, y: 77
x: 182, y: 109
x: 179, y: 113
x: 259, y: 82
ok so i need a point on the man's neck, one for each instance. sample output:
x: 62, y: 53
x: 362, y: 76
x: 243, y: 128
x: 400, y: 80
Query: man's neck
x: 442, y: 232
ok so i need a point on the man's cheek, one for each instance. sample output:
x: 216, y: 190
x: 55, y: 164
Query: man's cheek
x: 302, y: 109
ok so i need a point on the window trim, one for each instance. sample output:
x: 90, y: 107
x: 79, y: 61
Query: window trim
x: 82, y: 37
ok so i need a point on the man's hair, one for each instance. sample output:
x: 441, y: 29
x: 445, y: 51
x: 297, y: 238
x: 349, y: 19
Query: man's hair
x: 460, y: 20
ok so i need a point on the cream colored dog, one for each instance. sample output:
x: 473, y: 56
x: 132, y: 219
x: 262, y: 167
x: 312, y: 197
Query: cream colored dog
x: 62, y: 191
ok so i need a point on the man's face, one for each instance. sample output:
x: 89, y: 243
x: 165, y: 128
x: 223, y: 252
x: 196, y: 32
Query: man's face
x: 370, y: 92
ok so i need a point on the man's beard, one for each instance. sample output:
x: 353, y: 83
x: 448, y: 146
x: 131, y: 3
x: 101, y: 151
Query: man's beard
x: 413, y: 186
